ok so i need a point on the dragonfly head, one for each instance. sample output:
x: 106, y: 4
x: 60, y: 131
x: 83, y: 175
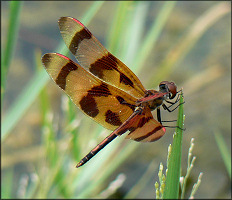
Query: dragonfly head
x: 166, y: 86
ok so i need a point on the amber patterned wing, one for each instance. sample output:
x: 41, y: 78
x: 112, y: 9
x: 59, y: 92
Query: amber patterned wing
x: 144, y: 128
x: 106, y: 104
x: 91, y: 54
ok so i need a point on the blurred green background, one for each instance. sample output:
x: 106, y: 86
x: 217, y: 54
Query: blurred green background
x: 44, y: 135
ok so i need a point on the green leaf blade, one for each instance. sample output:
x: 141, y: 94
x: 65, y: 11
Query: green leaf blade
x: 174, y: 163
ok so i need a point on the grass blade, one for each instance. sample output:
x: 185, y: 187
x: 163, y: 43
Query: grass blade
x: 25, y: 99
x: 192, y: 36
x: 15, y: 8
x: 224, y: 151
x: 32, y: 90
x: 153, y: 34
x: 171, y: 190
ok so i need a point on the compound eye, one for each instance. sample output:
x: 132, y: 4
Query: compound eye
x: 170, y: 86
x: 172, y: 89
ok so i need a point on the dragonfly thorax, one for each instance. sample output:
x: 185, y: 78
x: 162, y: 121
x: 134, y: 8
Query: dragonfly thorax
x: 154, y: 103
x: 154, y: 98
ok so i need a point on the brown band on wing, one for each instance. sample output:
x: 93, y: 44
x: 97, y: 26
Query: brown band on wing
x: 89, y: 105
x: 47, y: 59
x: 61, y: 78
x: 149, y: 134
x: 143, y: 121
x: 140, y: 124
x: 157, y: 138
x: 108, y: 62
x: 78, y: 37
x: 125, y: 80
x: 112, y: 118
x: 121, y: 100
x: 99, y: 91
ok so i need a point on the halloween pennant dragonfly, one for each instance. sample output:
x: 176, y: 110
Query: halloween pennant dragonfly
x: 105, y: 89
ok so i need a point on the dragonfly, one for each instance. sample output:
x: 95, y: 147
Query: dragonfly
x: 105, y: 89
